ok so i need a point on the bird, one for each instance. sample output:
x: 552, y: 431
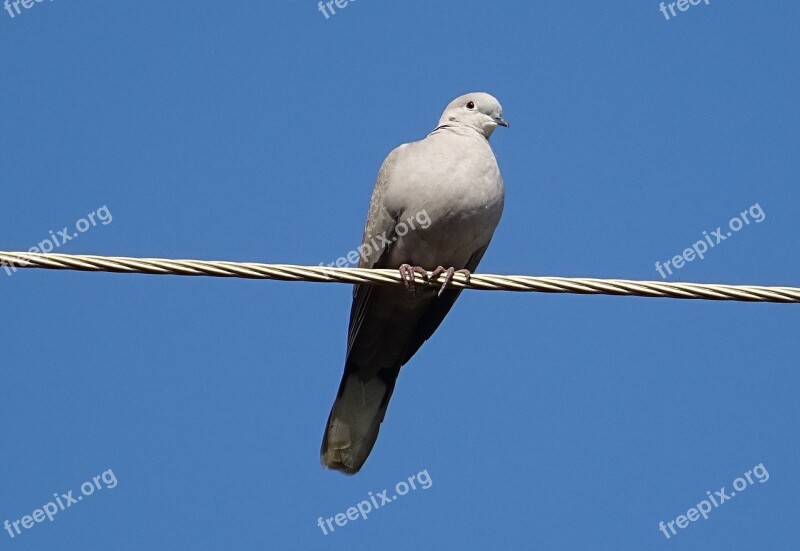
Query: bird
x: 435, y: 207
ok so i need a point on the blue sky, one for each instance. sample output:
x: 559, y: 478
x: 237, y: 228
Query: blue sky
x: 254, y: 131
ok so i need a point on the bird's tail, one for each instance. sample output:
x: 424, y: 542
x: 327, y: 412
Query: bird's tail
x: 354, y: 422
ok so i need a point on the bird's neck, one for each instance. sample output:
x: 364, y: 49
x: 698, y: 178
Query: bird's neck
x: 460, y: 129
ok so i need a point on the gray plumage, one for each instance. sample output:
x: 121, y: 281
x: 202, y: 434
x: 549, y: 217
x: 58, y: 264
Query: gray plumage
x: 448, y: 193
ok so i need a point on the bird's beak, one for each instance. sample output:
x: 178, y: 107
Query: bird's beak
x: 501, y: 121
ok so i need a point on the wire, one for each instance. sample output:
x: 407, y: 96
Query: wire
x: 11, y: 261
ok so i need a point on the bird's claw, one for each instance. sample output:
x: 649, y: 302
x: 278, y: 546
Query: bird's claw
x: 448, y: 276
x: 407, y: 272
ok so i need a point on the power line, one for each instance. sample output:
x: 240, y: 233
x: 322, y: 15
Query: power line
x: 11, y: 261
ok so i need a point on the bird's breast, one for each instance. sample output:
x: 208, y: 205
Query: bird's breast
x: 454, y: 207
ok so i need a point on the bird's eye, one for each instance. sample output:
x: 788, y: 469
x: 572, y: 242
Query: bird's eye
x: 470, y: 105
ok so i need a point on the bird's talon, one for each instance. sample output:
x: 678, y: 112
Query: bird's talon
x: 407, y: 273
x: 448, y: 276
x: 466, y: 273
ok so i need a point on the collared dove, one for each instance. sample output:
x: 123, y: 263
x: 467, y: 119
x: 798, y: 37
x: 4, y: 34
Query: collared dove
x: 451, y: 180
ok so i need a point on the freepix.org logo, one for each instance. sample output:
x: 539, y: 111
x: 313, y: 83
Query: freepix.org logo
x: 13, y: 6
x: 61, y: 502
x: 709, y: 241
x: 379, y: 242
x: 327, y: 8
x: 421, y: 480
x: 719, y: 497
x: 57, y: 239
x: 682, y: 5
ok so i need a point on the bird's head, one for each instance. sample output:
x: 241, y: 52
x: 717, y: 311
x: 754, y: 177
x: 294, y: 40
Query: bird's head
x: 477, y: 110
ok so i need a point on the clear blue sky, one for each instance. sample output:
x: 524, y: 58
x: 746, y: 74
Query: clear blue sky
x: 254, y: 131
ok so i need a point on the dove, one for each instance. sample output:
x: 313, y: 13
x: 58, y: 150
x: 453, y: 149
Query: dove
x: 452, y: 176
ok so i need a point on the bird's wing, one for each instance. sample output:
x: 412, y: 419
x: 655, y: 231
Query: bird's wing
x: 380, y: 224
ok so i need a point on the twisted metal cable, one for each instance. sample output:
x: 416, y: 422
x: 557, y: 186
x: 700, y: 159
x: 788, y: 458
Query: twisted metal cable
x: 10, y: 261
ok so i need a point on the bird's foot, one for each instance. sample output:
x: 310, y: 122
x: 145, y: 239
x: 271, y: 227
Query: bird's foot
x: 407, y: 272
x: 448, y: 276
